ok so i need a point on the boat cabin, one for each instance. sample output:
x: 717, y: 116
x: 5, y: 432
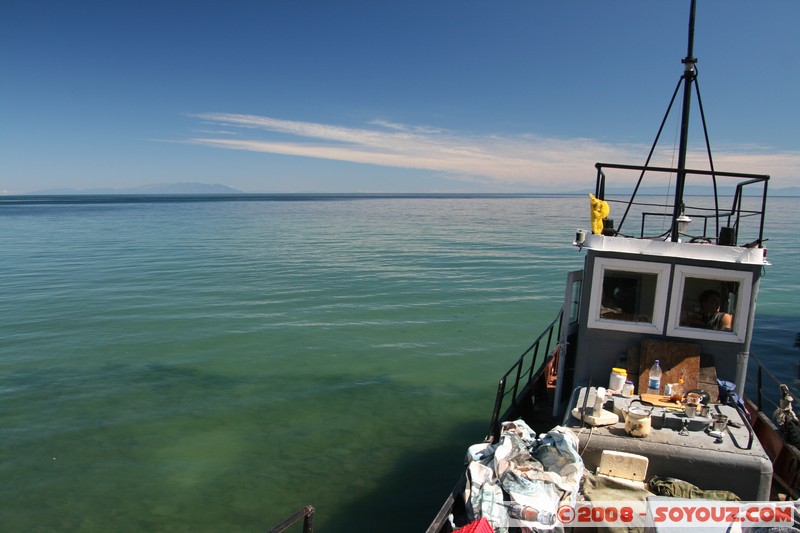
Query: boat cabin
x: 688, y: 302
x: 632, y: 288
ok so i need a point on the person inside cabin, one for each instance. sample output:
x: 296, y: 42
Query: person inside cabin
x: 618, y: 299
x: 713, y: 316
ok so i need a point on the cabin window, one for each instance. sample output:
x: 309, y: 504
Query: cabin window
x: 710, y: 303
x: 628, y: 295
x: 575, y: 300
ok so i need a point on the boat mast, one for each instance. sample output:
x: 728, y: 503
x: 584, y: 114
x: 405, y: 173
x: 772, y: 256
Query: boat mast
x: 689, y: 76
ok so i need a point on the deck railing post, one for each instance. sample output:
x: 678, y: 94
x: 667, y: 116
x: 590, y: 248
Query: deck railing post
x: 308, y: 521
x: 516, y: 381
x: 758, y: 390
x: 306, y: 513
x: 533, y: 364
x: 498, y: 404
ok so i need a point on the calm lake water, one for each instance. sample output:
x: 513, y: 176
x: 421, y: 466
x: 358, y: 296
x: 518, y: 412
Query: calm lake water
x: 216, y: 365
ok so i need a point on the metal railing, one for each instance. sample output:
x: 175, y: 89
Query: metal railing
x: 770, y: 395
x: 306, y: 514
x: 731, y: 217
x: 526, y: 370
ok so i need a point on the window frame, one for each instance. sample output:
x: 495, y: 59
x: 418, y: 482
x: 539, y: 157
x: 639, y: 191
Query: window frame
x: 662, y: 272
x: 741, y: 314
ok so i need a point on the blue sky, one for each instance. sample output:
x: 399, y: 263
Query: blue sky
x: 374, y: 96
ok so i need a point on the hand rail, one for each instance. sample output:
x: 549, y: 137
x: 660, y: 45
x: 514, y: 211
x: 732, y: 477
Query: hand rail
x: 306, y: 514
x: 526, y: 377
x: 734, y: 215
x: 773, y: 381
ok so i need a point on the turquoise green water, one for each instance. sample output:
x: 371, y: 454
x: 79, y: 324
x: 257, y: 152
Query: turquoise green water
x: 214, y: 366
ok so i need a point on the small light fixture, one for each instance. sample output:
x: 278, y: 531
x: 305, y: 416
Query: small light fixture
x: 683, y: 222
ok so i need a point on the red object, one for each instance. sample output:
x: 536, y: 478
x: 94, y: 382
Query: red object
x: 480, y: 525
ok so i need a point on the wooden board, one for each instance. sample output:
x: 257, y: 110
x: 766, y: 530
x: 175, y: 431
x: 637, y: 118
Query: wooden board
x: 675, y: 359
x: 659, y: 401
x: 708, y: 382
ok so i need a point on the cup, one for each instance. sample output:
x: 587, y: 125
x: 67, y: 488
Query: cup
x: 693, y: 397
x: 720, y: 422
x: 704, y: 410
x: 691, y: 409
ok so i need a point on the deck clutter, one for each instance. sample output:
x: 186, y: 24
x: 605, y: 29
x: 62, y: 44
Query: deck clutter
x: 713, y: 452
x: 596, y: 455
x: 522, y: 478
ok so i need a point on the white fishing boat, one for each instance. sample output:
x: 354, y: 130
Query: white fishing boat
x: 582, y: 426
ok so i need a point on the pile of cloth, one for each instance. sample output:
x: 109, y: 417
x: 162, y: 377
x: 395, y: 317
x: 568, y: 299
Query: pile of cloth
x: 522, y: 480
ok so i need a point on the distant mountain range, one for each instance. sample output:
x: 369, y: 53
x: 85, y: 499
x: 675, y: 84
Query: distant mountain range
x: 205, y: 188
x: 785, y: 191
x: 161, y: 188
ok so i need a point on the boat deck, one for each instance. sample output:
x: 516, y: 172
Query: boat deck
x: 735, y: 462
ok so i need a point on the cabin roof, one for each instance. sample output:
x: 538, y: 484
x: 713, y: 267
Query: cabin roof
x: 680, y: 250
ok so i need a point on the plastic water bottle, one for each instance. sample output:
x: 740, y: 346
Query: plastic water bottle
x: 529, y: 514
x: 654, y: 381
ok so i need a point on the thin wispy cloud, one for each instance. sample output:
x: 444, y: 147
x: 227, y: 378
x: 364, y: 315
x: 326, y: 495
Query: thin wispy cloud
x: 781, y: 166
x: 214, y: 132
x: 520, y: 160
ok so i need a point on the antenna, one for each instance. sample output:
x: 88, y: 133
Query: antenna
x: 689, y: 76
